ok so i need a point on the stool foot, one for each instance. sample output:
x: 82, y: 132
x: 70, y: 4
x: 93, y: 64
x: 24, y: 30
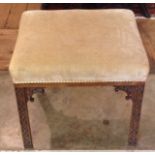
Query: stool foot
x: 22, y: 100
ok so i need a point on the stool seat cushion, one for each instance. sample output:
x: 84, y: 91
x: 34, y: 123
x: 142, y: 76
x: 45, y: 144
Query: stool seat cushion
x: 78, y: 46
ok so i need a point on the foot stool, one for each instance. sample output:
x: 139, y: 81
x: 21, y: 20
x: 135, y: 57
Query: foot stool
x: 78, y: 47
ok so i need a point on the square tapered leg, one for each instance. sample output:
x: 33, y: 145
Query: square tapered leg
x: 135, y: 93
x: 22, y: 99
x: 137, y: 97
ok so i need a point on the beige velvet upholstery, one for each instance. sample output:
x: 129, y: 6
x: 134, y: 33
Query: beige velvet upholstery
x: 78, y: 46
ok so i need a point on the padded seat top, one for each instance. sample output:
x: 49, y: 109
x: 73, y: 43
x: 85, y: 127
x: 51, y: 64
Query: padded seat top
x: 78, y: 46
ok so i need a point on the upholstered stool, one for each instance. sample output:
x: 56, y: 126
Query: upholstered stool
x: 79, y: 47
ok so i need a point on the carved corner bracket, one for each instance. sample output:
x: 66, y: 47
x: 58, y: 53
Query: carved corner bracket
x: 131, y: 91
x: 31, y: 91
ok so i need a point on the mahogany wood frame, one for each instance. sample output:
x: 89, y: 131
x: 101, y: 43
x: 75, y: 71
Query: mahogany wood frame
x: 24, y: 92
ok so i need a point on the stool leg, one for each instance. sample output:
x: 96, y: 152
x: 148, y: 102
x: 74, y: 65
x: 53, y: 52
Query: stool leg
x: 22, y: 100
x: 135, y: 93
x: 137, y: 97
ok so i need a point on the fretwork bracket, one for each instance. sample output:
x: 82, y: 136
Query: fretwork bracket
x: 31, y: 91
x: 131, y: 91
